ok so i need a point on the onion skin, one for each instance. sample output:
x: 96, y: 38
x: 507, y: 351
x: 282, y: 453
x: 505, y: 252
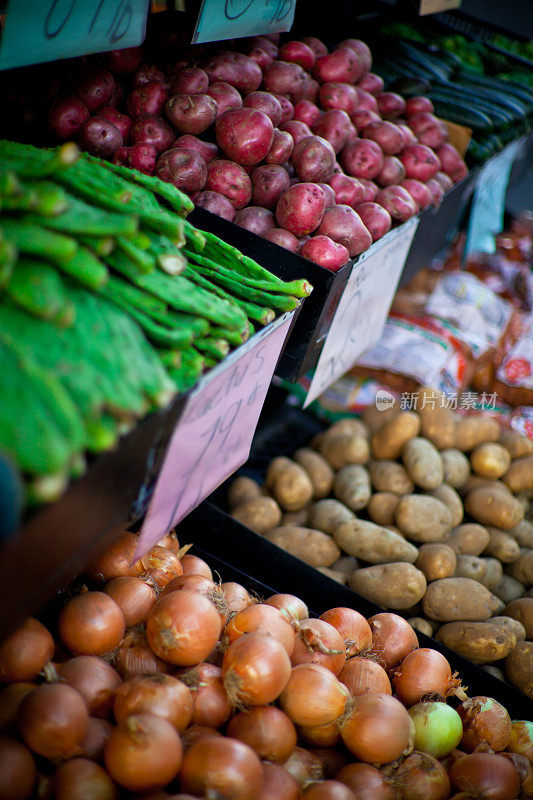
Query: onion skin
x: 237, y: 597
x: 79, y: 779
x: 223, y: 768
x: 256, y: 670
x: 159, y: 566
x: 438, y: 728
x: 304, y: 767
x: 161, y: 695
x: 116, y: 561
x: 193, y: 565
x: 361, y: 676
x: 267, y: 730
x: 52, y: 721
x: 318, y: 642
x: 392, y: 639
x: 487, y: 775
x: 261, y: 618
x: 313, y: 696
x: 278, y: 784
x: 377, y: 729
x: 521, y: 738
x: 424, y: 672
x: 25, y: 652
x: 321, y: 735
x: 134, y: 656
x: 97, y: 734
x: 333, y: 759
x: 11, y: 697
x: 134, y: 596
x: 143, y: 753
x: 94, y: 679
x: 204, y: 586
x: 353, y: 628
x: 194, y: 733
x: 484, y: 722
x: 290, y: 606
x: 91, y: 624
x: 183, y: 628
x: 366, y: 782
x: 328, y: 790
x: 422, y: 777
x: 17, y: 770
x: 210, y: 703
x: 524, y: 767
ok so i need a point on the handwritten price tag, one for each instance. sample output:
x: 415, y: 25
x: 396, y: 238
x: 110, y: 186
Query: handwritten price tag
x: 488, y: 205
x: 232, y: 19
x: 363, y: 307
x: 435, y: 6
x: 44, y: 30
x: 214, y: 434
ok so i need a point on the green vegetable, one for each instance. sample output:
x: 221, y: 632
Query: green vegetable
x: 36, y: 286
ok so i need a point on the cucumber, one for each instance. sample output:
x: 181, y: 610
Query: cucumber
x: 493, y: 95
x: 451, y: 110
x: 431, y: 64
x: 500, y: 118
x: 411, y: 87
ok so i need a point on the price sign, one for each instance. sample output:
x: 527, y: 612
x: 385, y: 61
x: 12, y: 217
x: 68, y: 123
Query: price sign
x: 488, y: 204
x: 214, y: 434
x: 436, y: 6
x: 232, y: 19
x: 363, y: 307
x: 44, y: 30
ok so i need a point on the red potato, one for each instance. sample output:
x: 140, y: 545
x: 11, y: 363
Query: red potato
x: 95, y: 88
x: 125, y: 60
x: 342, y: 64
x: 334, y: 126
x: 289, y: 169
x: 269, y: 183
x: 362, y: 50
x: 325, y: 252
x: 362, y: 159
x: 420, y: 162
x: 281, y: 148
x: 282, y: 238
x: 460, y: 173
x: 365, y: 100
x: 342, y: 96
x: 393, y: 172
x: 208, y: 150
x: 390, y: 105
x: 230, y: 180
x: 428, y: 129
x: 147, y: 73
x: 244, y: 135
x: 265, y: 102
x: 120, y: 121
x: 307, y: 112
x: 444, y: 180
x: 142, y: 157
x: 66, y: 116
x: 313, y: 158
x: 152, y: 130
x: 317, y: 46
x: 371, y: 83
x: 264, y: 44
x: 417, y: 105
x: 352, y: 134
x: 329, y: 195
x: 386, y: 134
x: 190, y: 80
x: 184, y: 169
x: 225, y: 96
x: 120, y: 156
x: 298, y: 53
x: 343, y: 225
x: 215, y: 203
x: 375, y: 218
x: 117, y: 98
x: 147, y: 99
x: 280, y: 77
x: 408, y: 135
x: 371, y: 190
x: 287, y: 107
x: 398, y: 202
x: 297, y: 130
x: 363, y: 118
x: 261, y: 57
x: 236, y: 69
x: 255, y: 219
x: 191, y: 113
x: 418, y: 191
x: 311, y: 90
x: 450, y: 159
x: 99, y: 137
x: 437, y: 192
x: 301, y: 208
x: 348, y: 191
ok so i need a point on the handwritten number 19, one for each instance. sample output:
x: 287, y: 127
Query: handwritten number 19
x: 61, y: 11
x: 54, y: 23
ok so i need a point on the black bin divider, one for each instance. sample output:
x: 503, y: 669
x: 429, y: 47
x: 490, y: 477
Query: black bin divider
x: 241, y: 555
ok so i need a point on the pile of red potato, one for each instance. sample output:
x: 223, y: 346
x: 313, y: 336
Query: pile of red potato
x: 297, y: 144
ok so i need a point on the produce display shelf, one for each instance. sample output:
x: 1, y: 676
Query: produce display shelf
x: 241, y: 555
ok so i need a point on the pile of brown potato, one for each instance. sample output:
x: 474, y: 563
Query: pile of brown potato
x: 425, y: 513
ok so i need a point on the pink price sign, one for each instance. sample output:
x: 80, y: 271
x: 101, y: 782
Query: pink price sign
x: 214, y: 434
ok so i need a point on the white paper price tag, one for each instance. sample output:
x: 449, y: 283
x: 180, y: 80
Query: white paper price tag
x: 363, y: 307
